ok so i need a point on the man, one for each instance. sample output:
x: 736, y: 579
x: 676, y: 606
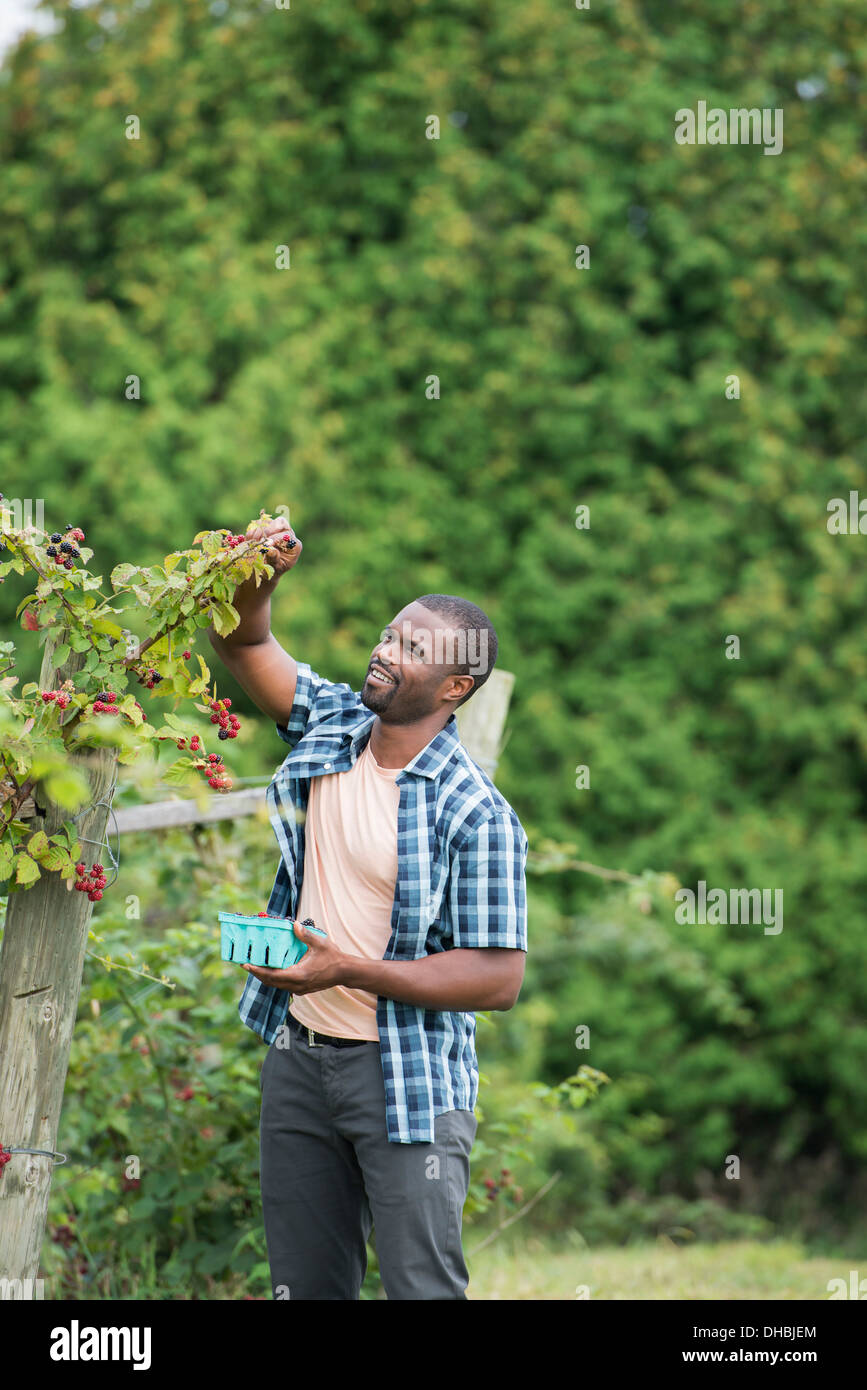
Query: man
x: 397, y: 846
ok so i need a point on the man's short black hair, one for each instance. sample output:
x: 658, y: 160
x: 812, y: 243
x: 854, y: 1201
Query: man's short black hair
x: 481, y: 649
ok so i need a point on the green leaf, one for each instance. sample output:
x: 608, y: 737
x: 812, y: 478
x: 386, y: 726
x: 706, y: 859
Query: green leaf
x: 5, y: 859
x: 106, y: 625
x: 27, y: 870
x: 37, y: 845
x: 61, y: 654
x: 226, y: 618
x: 56, y: 857
x: 170, y: 562
x: 122, y: 574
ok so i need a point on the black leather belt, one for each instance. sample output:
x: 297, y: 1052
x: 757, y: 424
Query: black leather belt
x: 322, y: 1039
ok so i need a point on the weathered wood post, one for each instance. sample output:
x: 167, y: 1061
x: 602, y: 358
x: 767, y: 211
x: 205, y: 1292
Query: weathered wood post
x: 482, y: 719
x: 41, y: 964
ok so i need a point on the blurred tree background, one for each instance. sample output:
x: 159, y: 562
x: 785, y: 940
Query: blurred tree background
x: 559, y: 387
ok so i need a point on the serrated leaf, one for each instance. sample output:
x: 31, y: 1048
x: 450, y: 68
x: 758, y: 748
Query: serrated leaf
x: 107, y: 626
x: 226, y: 618
x: 61, y: 654
x: 56, y: 857
x: 178, y: 724
x: 122, y: 574
x: 170, y: 562
x: 37, y: 845
x: 26, y: 870
x: 143, y: 595
x: 180, y: 772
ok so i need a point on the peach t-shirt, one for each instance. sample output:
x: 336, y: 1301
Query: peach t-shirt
x: 350, y: 873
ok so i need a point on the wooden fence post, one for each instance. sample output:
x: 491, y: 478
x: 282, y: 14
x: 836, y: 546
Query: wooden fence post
x: 482, y: 719
x: 41, y: 964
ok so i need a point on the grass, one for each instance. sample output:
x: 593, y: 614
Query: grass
x: 736, y: 1270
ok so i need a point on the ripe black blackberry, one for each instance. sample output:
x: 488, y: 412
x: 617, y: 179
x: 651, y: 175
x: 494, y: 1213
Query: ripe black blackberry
x: 69, y: 564
x: 65, y: 548
x: 55, y: 537
x: 224, y: 733
x: 52, y: 551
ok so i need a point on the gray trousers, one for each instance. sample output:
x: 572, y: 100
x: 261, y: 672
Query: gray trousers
x: 329, y: 1173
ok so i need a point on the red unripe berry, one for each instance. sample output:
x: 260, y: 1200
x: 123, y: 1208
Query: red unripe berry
x: 182, y: 743
x: 187, y: 656
x: 213, y: 782
x: 95, y: 895
x: 213, y: 757
x: 81, y: 868
x: 233, y: 733
x: 215, y: 719
x: 111, y: 696
x: 227, y: 704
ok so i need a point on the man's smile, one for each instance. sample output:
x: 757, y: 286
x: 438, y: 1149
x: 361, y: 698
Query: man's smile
x: 378, y: 675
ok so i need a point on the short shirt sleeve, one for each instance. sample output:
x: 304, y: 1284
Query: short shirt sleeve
x: 488, y: 886
x: 315, y: 698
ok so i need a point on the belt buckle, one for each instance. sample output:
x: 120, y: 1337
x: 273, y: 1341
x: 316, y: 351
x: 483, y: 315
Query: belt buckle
x: 310, y: 1037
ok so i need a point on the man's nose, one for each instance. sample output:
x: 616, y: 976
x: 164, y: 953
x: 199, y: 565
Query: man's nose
x: 388, y: 650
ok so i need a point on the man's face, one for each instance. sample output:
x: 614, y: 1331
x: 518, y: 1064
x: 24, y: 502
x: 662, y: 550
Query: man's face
x: 409, y: 670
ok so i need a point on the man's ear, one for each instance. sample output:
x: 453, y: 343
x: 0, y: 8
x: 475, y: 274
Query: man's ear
x: 460, y: 686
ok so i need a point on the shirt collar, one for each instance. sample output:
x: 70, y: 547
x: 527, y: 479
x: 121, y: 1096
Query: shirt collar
x: 431, y: 760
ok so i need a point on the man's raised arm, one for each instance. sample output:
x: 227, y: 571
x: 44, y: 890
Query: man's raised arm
x: 253, y: 655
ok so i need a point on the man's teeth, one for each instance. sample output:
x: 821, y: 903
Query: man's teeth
x: 380, y: 675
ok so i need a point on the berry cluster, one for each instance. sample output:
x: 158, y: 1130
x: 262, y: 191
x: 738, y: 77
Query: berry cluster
x: 65, y: 552
x: 105, y: 703
x: 288, y: 541
x: 195, y: 743
x: 229, y: 723
x: 215, y: 770
x: 58, y: 697
x: 92, y: 882
x: 234, y: 541
x: 150, y: 679
x: 505, y: 1182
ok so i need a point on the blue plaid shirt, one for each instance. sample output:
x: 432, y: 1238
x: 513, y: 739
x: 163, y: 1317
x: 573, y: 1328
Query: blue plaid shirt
x: 461, y: 861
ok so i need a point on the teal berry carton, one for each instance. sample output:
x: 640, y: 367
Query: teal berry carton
x: 261, y: 940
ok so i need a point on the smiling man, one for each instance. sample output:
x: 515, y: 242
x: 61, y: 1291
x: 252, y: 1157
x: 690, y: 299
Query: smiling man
x: 401, y: 850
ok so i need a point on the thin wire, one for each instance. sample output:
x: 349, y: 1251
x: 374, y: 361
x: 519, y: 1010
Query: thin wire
x: 103, y: 844
x: 46, y: 1153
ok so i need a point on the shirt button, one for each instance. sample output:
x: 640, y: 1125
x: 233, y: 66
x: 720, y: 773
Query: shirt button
x: 326, y: 766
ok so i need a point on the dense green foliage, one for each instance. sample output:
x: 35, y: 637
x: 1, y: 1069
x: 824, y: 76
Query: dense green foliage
x: 559, y: 386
